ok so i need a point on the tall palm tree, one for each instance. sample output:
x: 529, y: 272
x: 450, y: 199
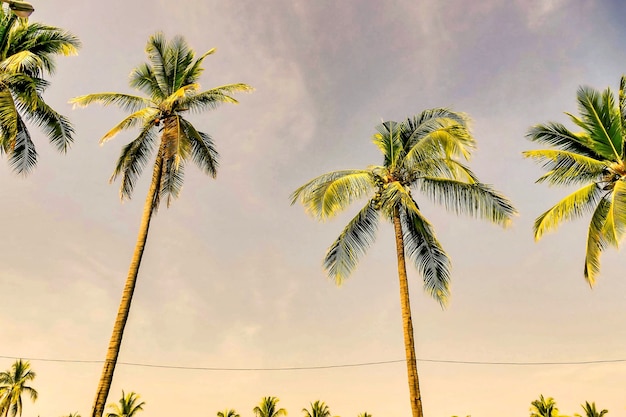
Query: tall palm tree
x: 127, y: 406
x: 591, y: 411
x: 544, y: 407
x: 170, y: 81
x: 227, y: 413
x: 13, y: 383
x: 27, y: 52
x: 318, y: 409
x: 593, y: 159
x: 421, y: 153
x: 268, y: 407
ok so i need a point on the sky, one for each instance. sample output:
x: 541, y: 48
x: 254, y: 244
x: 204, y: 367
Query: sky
x: 232, y: 275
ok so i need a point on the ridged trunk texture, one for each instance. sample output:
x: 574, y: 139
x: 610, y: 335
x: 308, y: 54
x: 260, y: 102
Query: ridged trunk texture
x: 115, y: 343
x: 407, y: 323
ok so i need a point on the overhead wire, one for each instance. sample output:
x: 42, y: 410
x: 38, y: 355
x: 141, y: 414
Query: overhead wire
x: 315, y: 367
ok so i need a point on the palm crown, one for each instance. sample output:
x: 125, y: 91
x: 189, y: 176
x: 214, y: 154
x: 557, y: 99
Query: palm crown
x: 170, y: 81
x: 592, y: 159
x: 27, y: 52
x: 423, y: 153
x: 13, y: 384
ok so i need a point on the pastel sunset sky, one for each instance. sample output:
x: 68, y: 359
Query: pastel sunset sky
x: 232, y: 275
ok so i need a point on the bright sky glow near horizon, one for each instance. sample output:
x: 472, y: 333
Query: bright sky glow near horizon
x: 232, y: 275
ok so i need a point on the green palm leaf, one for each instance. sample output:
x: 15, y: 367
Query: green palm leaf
x: 596, y: 241
x: 389, y: 141
x: 474, y: 199
x: 615, y: 223
x: 566, y: 167
x: 343, y: 255
x: 330, y: 193
x: 571, y: 207
x: 203, y: 149
x: 126, y: 102
x: 601, y: 122
x: 133, y: 159
x: 423, y: 248
x: 558, y: 136
x: 212, y: 98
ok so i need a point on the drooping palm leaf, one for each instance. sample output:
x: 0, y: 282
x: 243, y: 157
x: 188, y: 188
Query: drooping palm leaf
x: 596, y: 241
x: 474, y: 199
x: 566, y: 167
x: 573, y: 206
x: 343, y: 255
x: 328, y: 194
x: 427, y: 254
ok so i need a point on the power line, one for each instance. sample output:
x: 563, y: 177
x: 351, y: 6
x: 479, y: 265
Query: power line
x: 345, y: 365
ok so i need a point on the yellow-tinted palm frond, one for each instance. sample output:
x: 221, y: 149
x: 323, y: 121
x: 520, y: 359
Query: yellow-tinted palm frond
x: 596, y: 241
x: 24, y: 61
x: 140, y: 116
x: 178, y: 96
x: 389, y: 141
x: 615, y: 223
x: 126, y: 102
x: 343, y: 255
x: 571, y: 207
x: 425, y: 251
x: 566, y: 167
x: 474, y: 199
x: 330, y: 193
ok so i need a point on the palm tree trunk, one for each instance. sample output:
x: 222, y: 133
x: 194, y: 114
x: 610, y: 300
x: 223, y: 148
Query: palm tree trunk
x: 407, y: 324
x: 127, y: 295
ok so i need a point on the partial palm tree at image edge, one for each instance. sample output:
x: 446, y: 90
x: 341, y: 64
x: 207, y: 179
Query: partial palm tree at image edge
x: 593, y: 159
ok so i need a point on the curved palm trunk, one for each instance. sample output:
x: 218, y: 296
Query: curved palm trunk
x: 127, y: 295
x: 407, y: 324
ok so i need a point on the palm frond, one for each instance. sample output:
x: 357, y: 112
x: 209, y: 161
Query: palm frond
x: 57, y: 127
x: 169, y: 103
x: 143, y: 79
x: 601, y: 121
x: 343, y: 255
x: 156, y: 50
x: 474, y: 199
x: 573, y: 206
x: 557, y: 135
x: 622, y: 110
x: 566, y: 167
x: 203, y: 150
x: 425, y: 251
x: 23, y: 156
x: 330, y: 193
x: 133, y: 159
x: 178, y: 59
x: 210, y: 99
x: 430, y: 136
x: 442, y: 167
x: 21, y: 62
x: 147, y: 115
x: 389, y: 141
x: 126, y: 102
x: 596, y: 241
x: 615, y: 223
x: 194, y: 71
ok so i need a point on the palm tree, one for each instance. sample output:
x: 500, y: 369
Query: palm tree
x: 544, y: 407
x: 170, y: 80
x: 365, y: 414
x: 268, y: 408
x: 593, y: 159
x: 318, y: 409
x: 227, y: 413
x: 27, y: 52
x: 128, y: 406
x: 13, y: 385
x: 420, y: 153
x: 591, y: 411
